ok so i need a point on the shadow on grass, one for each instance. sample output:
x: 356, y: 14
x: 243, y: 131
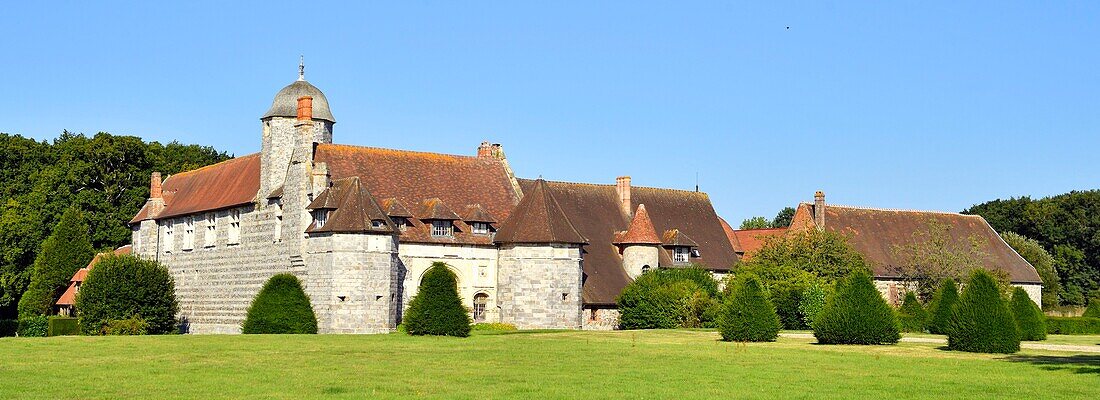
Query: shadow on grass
x: 1080, y: 364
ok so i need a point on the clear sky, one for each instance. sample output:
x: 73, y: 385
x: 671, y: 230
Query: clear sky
x: 882, y: 104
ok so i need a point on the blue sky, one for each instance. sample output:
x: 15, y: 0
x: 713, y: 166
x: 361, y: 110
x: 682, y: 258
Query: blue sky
x: 918, y: 105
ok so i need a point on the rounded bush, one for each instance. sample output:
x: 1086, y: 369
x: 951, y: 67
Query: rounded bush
x: 856, y: 314
x: 123, y: 286
x: 281, y: 307
x: 1029, y: 318
x: 436, y: 309
x: 664, y: 299
x: 749, y: 315
x: 982, y: 322
x: 942, y: 306
x: 34, y: 326
x: 911, y: 316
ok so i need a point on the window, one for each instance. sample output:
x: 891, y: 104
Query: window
x: 480, y: 228
x: 402, y: 223
x: 377, y: 224
x: 169, y: 240
x: 320, y: 218
x: 278, y: 228
x: 645, y: 268
x: 480, y: 300
x: 136, y: 238
x: 594, y: 315
x: 211, y: 235
x: 681, y: 254
x: 234, y: 226
x: 189, y: 233
x: 441, y: 228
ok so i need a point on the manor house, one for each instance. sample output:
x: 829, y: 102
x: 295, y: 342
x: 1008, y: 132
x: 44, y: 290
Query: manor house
x: 360, y: 226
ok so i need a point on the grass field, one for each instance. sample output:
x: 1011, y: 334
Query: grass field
x: 642, y: 364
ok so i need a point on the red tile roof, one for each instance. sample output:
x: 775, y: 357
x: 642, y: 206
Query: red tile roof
x: 476, y: 213
x: 750, y: 240
x: 673, y: 237
x: 640, y: 231
x: 353, y: 209
x: 539, y: 219
x: 226, y: 184
x: 876, y: 233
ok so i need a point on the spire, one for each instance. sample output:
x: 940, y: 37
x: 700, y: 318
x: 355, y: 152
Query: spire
x: 302, y: 68
x: 640, y: 231
x: 538, y: 218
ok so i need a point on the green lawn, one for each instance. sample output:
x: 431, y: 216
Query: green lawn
x: 643, y: 364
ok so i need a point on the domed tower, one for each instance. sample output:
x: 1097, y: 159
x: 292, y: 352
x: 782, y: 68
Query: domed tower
x: 299, y: 117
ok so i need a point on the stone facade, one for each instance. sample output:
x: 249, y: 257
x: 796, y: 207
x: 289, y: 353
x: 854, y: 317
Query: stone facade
x: 539, y: 286
x: 639, y: 258
x: 600, y: 319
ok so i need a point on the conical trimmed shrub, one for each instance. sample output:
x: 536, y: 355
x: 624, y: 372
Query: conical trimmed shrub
x: 1093, y: 311
x: 66, y: 250
x: 436, y: 309
x: 748, y: 315
x: 982, y: 322
x: 1029, y: 318
x: 911, y: 316
x: 943, y: 304
x: 281, y: 307
x: 856, y: 314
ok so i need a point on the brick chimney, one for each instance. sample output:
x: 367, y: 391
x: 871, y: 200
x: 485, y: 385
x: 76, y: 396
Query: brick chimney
x: 622, y: 186
x: 305, y: 108
x: 155, y: 190
x: 819, y: 210
x: 490, y: 151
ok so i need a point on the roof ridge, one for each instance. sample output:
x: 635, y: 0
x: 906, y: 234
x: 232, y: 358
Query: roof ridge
x: 613, y: 185
x: 256, y: 154
x: 896, y: 210
x: 432, y: 153
x: 759, y: 229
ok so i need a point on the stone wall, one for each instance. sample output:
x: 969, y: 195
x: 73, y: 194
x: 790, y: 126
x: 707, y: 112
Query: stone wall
x: 539, y: 286
x: 474, y: 266
x: 352, y: 282
x: 600, y: 319
x: 637, y: 257
x: 898, y: 288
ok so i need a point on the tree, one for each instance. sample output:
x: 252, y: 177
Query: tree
x: 668, y: 298
x: 856, y: 314
x: 942, y: 307
x: 281, y: 306
x: 436, y: 309
x: 1077, y: 277
x: 125, y: 287
x: 1043, y: 262
x: 1029, y: 319
x: 932, y: 256
x: 784, y: 218
x: 982, y: 322
x: 63, y: 253
x: 748, y: 314
x: 756, y: 223
x: 911, y: 316
x: 813, y: 301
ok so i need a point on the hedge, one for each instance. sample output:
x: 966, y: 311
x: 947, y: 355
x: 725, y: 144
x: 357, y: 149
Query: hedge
x: 663, y: 299
x: 982, y: 322
x: 911, y: 316
x: 941, y: 307
x: 124, y: 286
x: 133, y: 326
x: 281, y: 307
x: 436, y: 309
x: 8, y: 327
x: 1029, y: 319
x: 1073, y: 326
x: 34, y: 326
x: 493, y: 327
x: 63, y: 326
x: 856, y: 314
x: 749, y: 315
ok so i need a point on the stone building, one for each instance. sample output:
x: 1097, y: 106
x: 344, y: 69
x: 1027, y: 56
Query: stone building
x: 361, y: 225
x: 878, y: 234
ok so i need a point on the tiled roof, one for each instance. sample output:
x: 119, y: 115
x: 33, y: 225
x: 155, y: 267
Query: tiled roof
x: 539, y: 219
x: 69, y: 297
x: 435, y: 209
x: 640, y: 231
x: 226, y: 184
x: 353, y: 209
x: 673, y: 237
x: 751, y: 240
x: 395, y: 208
x: 476, y: 213
x: 877, y: 233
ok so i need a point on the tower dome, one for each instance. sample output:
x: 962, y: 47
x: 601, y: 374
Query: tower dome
x: 286, y: 101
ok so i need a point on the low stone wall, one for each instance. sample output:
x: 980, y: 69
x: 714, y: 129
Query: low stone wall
x: 600, y: 319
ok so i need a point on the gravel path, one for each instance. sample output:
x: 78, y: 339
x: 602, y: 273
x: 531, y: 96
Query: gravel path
x: 1025, y: 345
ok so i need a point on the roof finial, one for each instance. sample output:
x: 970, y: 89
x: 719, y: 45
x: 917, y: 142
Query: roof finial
x: 302, y: 68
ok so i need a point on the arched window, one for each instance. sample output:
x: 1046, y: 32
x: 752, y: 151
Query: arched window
x: 645, y: 268
x: 480, y: 301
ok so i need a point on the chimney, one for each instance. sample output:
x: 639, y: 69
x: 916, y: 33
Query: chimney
x: 490, y: 151
x: 819, y: 210
x: 305, y: 108
x: 622, y: 186
x: 155, y: 191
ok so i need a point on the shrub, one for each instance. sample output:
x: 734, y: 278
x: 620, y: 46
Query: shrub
x: 911, y: 316
x: 122, y: 286
x: 943, y: 304
x: 65, y: 251
x: 982, y: 322
x: 1093, y: 311
x: 33, y: 326
x: 281, y: 306
x: 493, y: 327
x: 62, y: 326
x: 813, y: 301
x: 436, y: 309
x: 667, y: 298
x: 1029, y: 318
x: 856, y: 314
x: 8, y: 327
x: 133, y: 326
x: 785, y: 285
x: 749, y: 316
x: 1073, y: 326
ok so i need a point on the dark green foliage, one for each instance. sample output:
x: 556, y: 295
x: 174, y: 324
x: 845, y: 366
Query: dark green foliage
x: 785, y: 285
x: 1093, y: 311
x: 1043, y: 262
x: 105, y: 176
x: 911, y: 316
x: 942, y: 306
x: 1029, y: 319
x: 669, y: 298
x: 63, y: 326
x: 982, y: 322
x: 783, y: 219
x: 281, y: 307
x: 8, y: 327
x: 1073, y: 326
x: 436, y: 309
x: 749, y: 316
x: 120, y: 287
x: 33, y: 326
x: 63, y: 253
x: 133, y: 326
x: 856, y: 314
x: 755, y: 223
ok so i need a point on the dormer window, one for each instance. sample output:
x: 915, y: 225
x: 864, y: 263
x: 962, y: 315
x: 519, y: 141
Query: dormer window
x: 480, y: 228
x: 320, y: 218
x: 442, y: 228
x: 401, y: 222
x: 680, y: 254
x: 377, y: 224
